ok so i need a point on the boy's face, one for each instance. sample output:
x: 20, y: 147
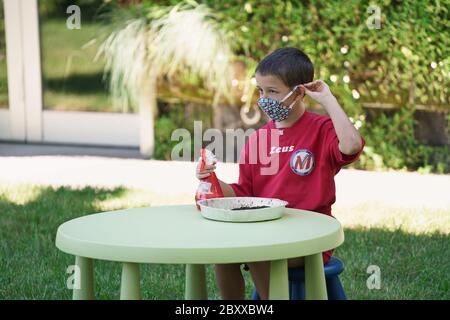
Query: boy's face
x: 270, y: 86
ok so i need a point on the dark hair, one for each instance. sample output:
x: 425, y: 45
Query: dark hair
x: 291, y: 65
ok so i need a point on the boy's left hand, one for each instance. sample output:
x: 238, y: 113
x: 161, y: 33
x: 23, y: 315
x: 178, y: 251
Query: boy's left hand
x: 318, y: 90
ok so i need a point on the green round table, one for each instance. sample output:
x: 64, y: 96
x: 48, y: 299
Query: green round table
x: 179, y: 234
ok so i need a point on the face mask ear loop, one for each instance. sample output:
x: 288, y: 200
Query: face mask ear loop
x: 289, y: 94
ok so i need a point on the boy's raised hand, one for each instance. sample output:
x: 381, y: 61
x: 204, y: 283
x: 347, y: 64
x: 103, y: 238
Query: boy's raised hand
x: 206, y: 172
x: 318, y: 90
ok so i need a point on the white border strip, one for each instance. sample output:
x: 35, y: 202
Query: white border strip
x: 32, y: 70
x: 112, y: 129
x: 15, y: 130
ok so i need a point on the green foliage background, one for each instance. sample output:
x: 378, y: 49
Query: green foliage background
x: 404, y: 63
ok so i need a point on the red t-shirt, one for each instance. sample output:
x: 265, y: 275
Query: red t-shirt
x: 298, y: 168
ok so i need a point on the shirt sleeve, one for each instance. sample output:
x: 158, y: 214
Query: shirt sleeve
x: 244, y: 187
x: 338, y: 159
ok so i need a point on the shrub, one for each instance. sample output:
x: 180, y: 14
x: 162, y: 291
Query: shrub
x: 404, y: 62
x: 390, y: 139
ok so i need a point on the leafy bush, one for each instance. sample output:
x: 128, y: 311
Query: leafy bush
x: 173, y: 116
x: 392, y: 144
x: 164, y: 127
x: 382, y: 65
x: 404, y: 61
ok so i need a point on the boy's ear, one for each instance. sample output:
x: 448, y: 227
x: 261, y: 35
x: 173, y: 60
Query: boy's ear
x: 300, y: 91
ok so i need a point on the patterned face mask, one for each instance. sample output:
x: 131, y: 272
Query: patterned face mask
x: 274, y: 108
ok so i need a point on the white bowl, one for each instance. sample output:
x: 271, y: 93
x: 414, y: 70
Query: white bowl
x: 221, y: 209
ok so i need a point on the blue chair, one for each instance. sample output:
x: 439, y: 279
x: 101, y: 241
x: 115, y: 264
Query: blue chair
x: 297, y: 282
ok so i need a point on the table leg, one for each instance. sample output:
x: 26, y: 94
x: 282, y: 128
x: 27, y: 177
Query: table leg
x: 130, y: 284
x: 279, y: 283
x: 315, y: 285
x: 195, y: 282
x: 85, y: 270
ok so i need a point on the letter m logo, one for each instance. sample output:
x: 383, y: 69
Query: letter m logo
x: 302, y: 162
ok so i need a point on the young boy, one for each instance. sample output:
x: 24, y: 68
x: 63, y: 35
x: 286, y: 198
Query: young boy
x: 311, y: 149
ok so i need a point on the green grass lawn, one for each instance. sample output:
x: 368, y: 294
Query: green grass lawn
x: 413, y: 258
x: 71, y: 79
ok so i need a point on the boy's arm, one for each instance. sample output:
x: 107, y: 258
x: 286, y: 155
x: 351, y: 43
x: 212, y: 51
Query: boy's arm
x: 226, y: 189
x: 349, y: 138
x: 350, y: 141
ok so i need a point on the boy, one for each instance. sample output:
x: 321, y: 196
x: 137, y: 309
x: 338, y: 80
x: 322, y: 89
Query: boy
x: 311, y: 149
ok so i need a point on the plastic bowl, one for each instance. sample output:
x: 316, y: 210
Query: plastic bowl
x: 221, y: 209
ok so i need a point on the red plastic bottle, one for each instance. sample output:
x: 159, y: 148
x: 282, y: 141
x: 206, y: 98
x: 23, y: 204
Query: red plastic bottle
x: 209, y: 187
